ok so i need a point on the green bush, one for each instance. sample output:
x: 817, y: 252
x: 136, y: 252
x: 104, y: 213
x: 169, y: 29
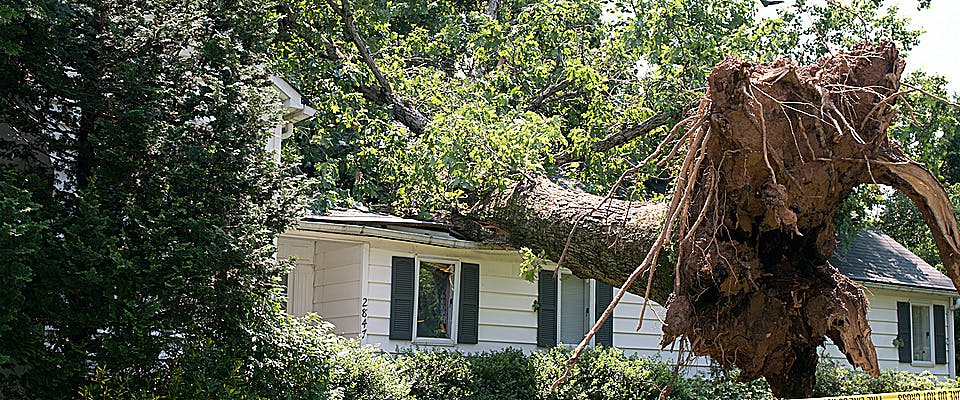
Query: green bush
x: 302, y: 359
x: 437, y: 374
x: 298, y: 358
x: 507, y: 374
x: 834, y: 379
x: 726, y: 385
x: 605, y: 373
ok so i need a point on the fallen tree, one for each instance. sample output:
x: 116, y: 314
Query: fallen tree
x: 772, y: 153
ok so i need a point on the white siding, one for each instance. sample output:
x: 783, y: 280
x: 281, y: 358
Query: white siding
x: 301, y: 278
x: 506, y: 316
x: 326, y: 280
x: 883, y: 321
x: 350, y: 275
x: 336, y: 295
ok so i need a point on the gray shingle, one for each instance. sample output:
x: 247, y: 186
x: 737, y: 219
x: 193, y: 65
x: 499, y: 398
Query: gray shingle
x: 876, y: 257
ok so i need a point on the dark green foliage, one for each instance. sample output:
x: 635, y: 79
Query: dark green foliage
x: 139, y: 202
x: 303, y: 360
x: 727, y: 386
x: 834, y: 379
x: 436, y: 375
x: 20, y: 248
x: 293, y: 359
x: 506, y: 374
x: 604, y: 373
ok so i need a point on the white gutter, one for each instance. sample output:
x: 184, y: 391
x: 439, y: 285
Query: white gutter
x: 913, y: 289
x: 371, y: 231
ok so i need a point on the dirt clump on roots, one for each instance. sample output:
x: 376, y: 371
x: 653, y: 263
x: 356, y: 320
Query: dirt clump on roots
x: 773, y: 152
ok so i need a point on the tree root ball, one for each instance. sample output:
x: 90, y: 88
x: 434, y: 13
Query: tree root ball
x: 772, y: 153
x: 782, y: 147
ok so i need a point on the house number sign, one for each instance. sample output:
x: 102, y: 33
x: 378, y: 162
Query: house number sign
x: 363, y: 318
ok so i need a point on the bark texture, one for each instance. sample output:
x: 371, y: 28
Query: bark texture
x: 776, y: 149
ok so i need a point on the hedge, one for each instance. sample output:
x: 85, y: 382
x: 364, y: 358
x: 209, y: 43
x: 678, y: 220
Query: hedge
x: 303, y: 360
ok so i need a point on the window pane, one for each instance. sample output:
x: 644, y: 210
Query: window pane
x: 574, y: 304
x: 921, y: 332
x: 434, y: 300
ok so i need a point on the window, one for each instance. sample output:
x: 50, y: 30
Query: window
x: 435, y: 303
x: 921, y: 332
x: 567, y: 309
x: 574, y: 309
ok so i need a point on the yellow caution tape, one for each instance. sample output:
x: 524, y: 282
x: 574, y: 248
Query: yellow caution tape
x: 944, y: 394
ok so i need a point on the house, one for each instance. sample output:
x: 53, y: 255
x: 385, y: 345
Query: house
x: 397, y: 283
x: 911, y: 304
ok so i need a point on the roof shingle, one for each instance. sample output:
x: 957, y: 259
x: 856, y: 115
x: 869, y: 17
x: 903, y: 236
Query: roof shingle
x: 876, y: 257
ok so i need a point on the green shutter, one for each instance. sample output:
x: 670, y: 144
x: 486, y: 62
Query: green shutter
x: 547, y: 315
x: 903, y: 332
x: 403, y: 278
x: 939, y: 334
x: 469, y: 303
x: 604, y: 336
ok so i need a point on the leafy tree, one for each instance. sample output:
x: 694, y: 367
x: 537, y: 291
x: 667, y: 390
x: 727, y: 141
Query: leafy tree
x: 930, y: 133
x: 139, y: 203
x: 435, y: 110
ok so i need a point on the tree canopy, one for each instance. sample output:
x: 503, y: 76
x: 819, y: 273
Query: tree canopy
x: 580, y: 91
x: 139, y: 203
x: 139, y: 206
x: 440, y: 113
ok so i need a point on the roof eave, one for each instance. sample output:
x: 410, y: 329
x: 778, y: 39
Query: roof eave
x: 393, y: 234
x: 908, y: 288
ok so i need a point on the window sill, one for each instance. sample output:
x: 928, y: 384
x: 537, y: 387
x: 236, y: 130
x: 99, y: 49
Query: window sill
x: 923, y: 364
x: 434, y: 342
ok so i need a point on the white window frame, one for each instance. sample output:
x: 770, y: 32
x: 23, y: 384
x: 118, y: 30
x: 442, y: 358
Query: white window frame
x: 913, y: 351
x: 592, y: 301
x: 454, y: 308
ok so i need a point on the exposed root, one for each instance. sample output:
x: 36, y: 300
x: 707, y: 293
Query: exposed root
x: 677, y: 206
x: 752, y: 286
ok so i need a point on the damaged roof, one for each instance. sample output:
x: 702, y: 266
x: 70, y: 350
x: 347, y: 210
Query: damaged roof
x: 876, y: 257
x: 358, y: 217
x: 871, y: 257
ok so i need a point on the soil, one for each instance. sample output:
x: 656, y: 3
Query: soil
x: 778, y: 148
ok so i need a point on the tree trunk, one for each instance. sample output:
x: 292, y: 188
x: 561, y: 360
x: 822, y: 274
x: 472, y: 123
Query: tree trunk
x: 774, y: 152
x: 607, y: 244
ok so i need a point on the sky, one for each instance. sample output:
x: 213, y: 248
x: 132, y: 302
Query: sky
x: 939, y: 48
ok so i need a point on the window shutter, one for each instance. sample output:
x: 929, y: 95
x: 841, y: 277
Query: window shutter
x: 903, y: 332
x: 547, y: 315
x: 403, y: 278
x: 604, y: 336
x: 469, y: 303
x: 939, y: 334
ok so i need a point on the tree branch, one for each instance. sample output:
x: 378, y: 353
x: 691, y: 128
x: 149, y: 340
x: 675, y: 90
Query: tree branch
x: 626, y: 134
x: 492, y: 7
x: 347, y: 17
x: 404, y: 110
x: 546, y: 93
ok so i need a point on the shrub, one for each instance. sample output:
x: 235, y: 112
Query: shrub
x: 726, y: 385
x: 298, y: 358
x: 302, y: 359
x: 507, y: 374
x: 437, y: 374
x: 834, y: 379
x: 604, y: 373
